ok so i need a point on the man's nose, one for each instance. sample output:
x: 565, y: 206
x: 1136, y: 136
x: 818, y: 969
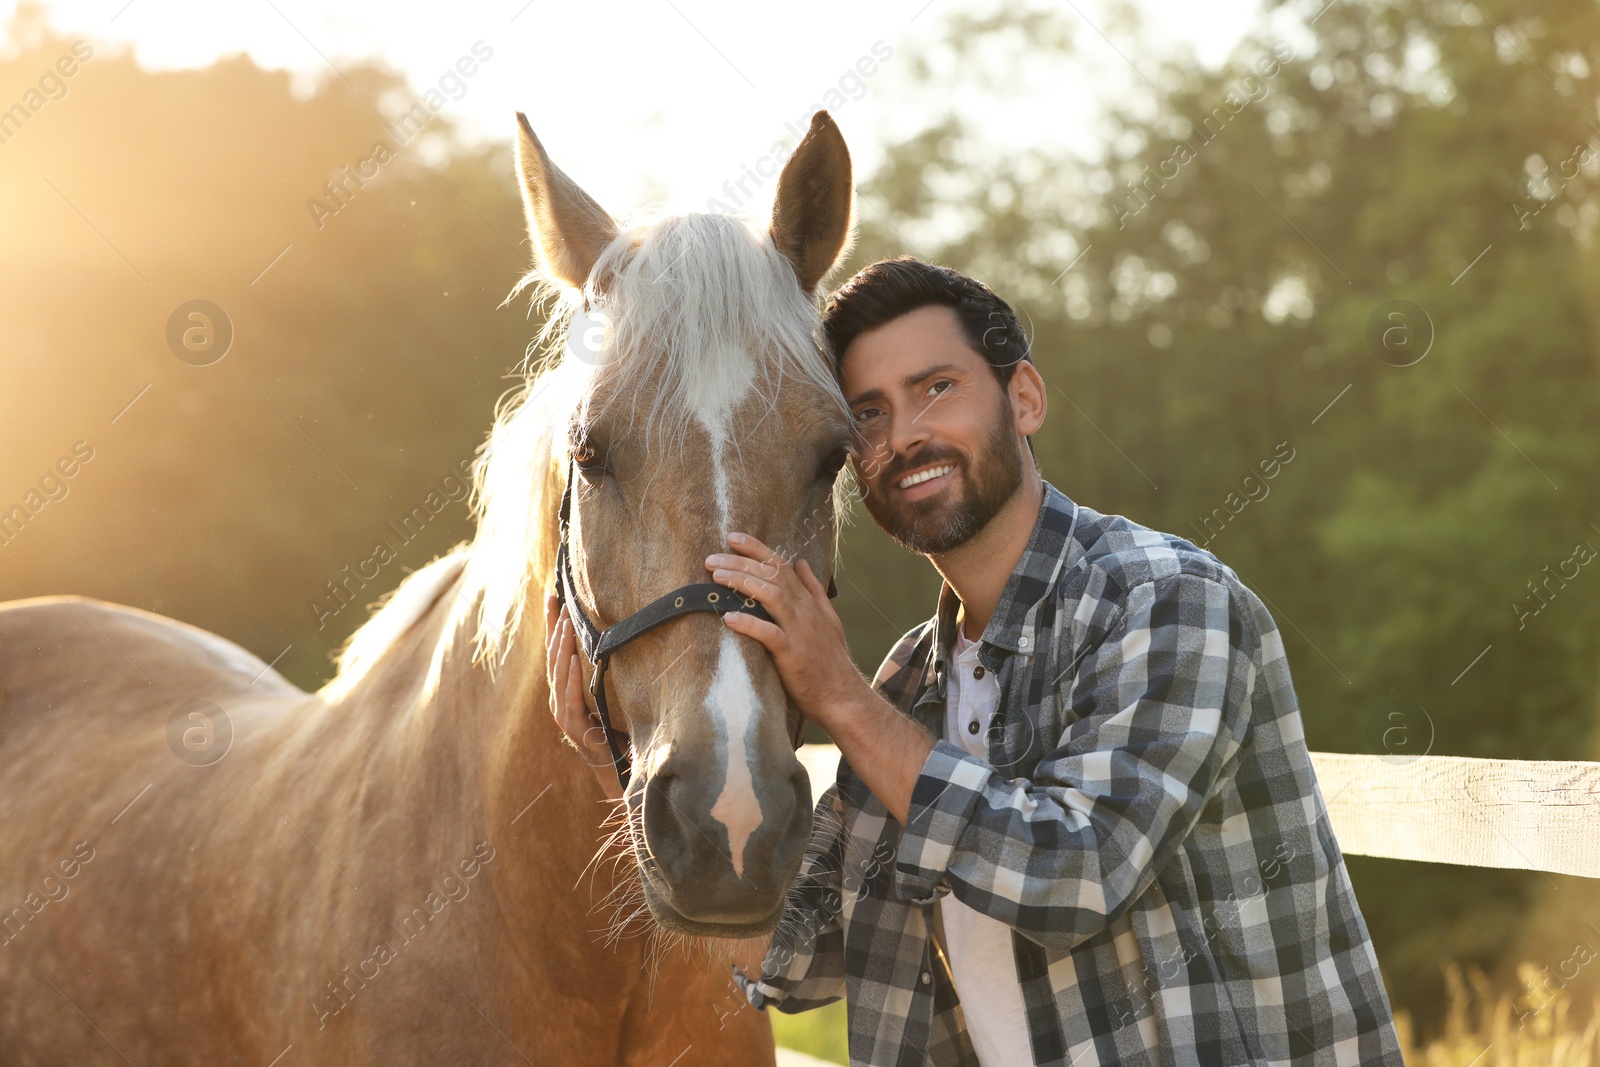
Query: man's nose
x: 907, y: 434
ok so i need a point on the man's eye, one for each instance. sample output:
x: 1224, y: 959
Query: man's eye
x: 935, y: 385
x: 866, y: 413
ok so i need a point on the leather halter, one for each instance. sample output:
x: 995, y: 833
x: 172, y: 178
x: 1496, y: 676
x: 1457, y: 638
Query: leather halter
x: 598, y: 645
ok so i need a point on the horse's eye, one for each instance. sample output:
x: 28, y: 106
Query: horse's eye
x: 589, y: 461
x: 832, y: 465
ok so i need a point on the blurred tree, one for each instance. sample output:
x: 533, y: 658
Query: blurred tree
x: 368, y: 351
x: 1200, y: 298
x: 1232, y: 261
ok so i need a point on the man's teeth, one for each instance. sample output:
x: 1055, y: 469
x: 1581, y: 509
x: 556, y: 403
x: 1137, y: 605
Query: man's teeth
x: 917, y: 479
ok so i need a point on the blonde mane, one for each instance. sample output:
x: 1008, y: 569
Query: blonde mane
x: 694, y: 302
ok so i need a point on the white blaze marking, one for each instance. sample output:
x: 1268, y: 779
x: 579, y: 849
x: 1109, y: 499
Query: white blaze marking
x: 730, y: 699
x: 731, y: 704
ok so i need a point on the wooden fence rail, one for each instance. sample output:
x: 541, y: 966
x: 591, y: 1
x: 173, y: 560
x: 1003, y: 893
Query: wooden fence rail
x: 1521, y: 814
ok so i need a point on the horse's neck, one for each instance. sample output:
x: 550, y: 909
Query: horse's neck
x: 478, y: 754
x: 485, y: 728
x: 480, y: 750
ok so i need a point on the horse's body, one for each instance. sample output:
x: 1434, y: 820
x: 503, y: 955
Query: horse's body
x: 205, y: 928
x: 400, y: 868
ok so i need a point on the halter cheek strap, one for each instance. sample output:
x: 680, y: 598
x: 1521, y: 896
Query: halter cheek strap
x: 598, y: 645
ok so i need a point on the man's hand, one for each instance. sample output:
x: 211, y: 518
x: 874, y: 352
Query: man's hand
x: 568, y: 701
x: 805, y: 638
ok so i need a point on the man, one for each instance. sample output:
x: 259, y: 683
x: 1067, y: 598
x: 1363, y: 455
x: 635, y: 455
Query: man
x: 1075, y: 821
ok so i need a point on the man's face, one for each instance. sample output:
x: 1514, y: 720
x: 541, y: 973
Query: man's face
x: 926, y: 403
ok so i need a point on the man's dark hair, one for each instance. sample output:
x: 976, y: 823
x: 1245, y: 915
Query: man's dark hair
x: 890, y: 288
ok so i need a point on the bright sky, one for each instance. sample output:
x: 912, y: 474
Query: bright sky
x: 662, y: 99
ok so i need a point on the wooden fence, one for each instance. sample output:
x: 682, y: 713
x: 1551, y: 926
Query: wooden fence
x: 1520, y: 814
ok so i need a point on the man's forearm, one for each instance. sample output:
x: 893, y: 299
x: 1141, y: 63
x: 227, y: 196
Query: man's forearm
x: 884, y: 748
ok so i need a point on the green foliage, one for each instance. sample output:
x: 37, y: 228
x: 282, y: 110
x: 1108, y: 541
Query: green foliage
x: 820, y: 1032
x: 366, y: 360
x: 1213, y: 316
x: 1221, y: 305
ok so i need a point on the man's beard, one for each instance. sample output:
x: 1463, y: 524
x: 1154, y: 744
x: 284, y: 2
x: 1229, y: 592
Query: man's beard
x: 940, y: 523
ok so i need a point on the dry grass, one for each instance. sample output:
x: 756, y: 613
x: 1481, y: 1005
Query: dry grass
x: 1535, y: 1026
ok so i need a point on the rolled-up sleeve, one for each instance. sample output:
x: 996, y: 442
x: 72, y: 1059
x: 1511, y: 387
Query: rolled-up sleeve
x: 804, y: 967
x: 1156, y: 712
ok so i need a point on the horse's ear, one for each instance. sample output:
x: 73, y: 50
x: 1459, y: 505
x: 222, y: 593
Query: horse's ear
x: 812, y: 216
x: 569, y: 229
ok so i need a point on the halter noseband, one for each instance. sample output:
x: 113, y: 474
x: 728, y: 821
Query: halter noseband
x: 598, y: 645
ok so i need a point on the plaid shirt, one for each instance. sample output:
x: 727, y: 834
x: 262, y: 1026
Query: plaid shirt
x: 1148, y: 824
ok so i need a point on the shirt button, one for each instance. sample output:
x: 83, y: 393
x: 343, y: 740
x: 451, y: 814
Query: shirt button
x: 977, y: 672
x: 972, y: 727
x: 926, y: 977
x: 1022, y: 642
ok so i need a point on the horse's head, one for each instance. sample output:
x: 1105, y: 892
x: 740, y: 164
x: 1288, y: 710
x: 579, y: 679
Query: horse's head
x: 706, y: 406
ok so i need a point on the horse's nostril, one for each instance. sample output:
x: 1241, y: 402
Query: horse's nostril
x: 664, y: 829
x: 659, y: 790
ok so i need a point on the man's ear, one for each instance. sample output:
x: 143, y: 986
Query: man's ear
x: 813, y: 214
x: 1029, y: 398
x: 568, y: 228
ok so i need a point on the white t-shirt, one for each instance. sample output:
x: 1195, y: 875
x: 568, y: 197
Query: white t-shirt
x: 981, y: 960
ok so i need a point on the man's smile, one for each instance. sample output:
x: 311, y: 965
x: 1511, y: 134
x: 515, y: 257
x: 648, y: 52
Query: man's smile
x: 926, y: 481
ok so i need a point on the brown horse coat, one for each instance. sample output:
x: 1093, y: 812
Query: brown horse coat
x: 401, y: 868
x: 323, y: 886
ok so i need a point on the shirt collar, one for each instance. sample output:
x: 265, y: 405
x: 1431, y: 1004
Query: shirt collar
x: 1050, y: 552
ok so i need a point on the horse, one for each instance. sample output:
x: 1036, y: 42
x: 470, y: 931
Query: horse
x: 202, y: 863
